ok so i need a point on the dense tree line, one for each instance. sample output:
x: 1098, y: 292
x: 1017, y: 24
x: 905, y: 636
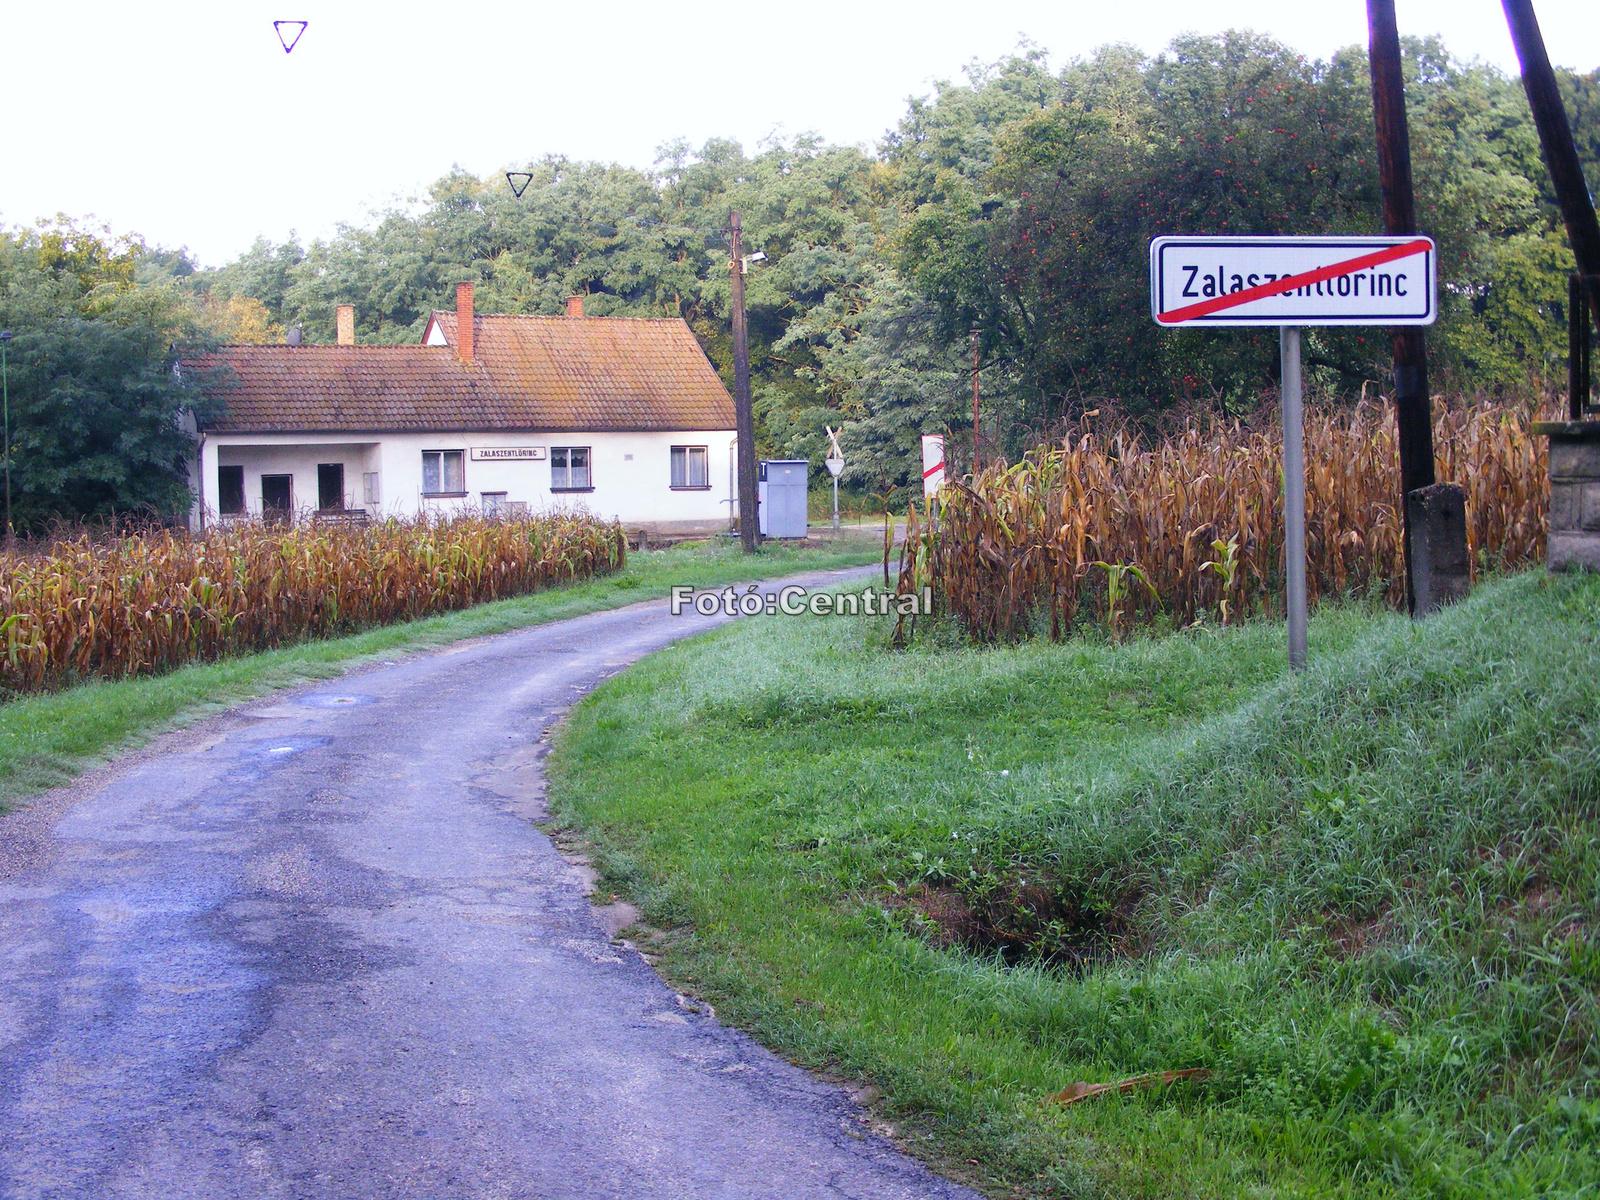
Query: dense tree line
x: 1044, y: 246
x: 1018, y: 203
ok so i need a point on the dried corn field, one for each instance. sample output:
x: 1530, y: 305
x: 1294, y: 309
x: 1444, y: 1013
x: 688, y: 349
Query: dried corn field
x: 147, y: 603
x: 1107, y: 527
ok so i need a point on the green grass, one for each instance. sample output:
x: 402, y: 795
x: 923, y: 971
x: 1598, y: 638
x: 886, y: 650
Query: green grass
x: 47, y: 740
x: 1365, y: 898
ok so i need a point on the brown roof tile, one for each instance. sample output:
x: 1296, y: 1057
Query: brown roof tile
x: 545, y: 373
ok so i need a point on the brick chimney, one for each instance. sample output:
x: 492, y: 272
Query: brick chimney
x: 347, y: 324
x: 574, y: 306
x: 464, y: 325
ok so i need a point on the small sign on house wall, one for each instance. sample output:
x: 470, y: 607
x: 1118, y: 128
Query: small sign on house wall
x: 508, y: 453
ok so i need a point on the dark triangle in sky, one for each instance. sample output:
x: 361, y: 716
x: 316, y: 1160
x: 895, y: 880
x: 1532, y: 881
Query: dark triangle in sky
x: 518, y: 188
x: 285, y: 29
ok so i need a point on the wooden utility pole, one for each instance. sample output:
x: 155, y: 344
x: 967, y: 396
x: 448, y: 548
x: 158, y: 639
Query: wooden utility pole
x: 743, y: 414
x: 1560, y: 155
x: 5, y: 388
x: 975, y: 434
x: 1412, y: 407
x: 1578, y: 367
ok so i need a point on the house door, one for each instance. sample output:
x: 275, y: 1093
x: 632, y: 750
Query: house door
x: 230, y: 491
x: 277, y: 497
x: 330, y: 487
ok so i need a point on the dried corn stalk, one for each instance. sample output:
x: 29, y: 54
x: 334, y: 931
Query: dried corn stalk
x: 1013, y: 549
x: 142, y: 604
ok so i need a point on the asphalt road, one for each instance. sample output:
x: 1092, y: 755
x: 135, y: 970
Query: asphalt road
x: 317, y: 948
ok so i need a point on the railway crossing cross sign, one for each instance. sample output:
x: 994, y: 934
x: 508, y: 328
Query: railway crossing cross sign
x: 1290, y: 282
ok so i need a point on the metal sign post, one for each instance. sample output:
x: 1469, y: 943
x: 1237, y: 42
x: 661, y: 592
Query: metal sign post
x: 835, y: 465
x: 1291, y: 282
x: 1294, y: 494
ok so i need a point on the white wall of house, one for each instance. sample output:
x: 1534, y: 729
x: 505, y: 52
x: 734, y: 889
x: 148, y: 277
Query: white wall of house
x: 630, y: 473
x: 299, y: 461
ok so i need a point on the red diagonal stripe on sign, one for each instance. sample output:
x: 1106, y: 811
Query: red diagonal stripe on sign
x: 933, y: 470
x: 1277, y: 287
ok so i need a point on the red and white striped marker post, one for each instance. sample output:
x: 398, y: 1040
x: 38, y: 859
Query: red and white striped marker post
x: 1290, y: 282
x: 932, y: 463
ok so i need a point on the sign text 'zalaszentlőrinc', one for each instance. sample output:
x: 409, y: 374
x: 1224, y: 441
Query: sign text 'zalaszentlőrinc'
x: 508, y: 453
x: 1292, y: 280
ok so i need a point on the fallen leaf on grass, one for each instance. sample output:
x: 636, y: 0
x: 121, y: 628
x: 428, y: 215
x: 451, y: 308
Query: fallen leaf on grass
x: 1074, y: 1092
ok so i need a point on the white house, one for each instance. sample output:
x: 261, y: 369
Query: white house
x: 624, y: 417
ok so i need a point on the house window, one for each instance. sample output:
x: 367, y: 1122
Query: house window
x: 444, y: 473
x: 230, y: 491
x: 569, y: 469
x: 493, y: 502
x: 369, y: 488
x: 689, y: 467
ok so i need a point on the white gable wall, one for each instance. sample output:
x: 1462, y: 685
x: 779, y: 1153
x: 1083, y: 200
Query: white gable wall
x: 630, y: 473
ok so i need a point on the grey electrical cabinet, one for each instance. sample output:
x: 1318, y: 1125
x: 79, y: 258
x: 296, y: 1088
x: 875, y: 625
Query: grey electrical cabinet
x: 781, y: 496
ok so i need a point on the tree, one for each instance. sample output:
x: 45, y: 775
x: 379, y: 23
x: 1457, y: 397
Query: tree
x: 97, y: 406
x: 239, y: 320
x: 1044, y: 247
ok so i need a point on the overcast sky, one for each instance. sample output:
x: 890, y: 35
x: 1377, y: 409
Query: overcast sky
x: 188, y: 123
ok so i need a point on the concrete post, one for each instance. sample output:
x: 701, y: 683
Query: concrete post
x: 1440, y: 570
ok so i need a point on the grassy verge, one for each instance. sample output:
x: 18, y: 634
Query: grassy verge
x: 1365, y: 899
x: 46, y: 740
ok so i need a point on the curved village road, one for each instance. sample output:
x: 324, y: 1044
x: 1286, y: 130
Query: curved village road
x: 315, y: 948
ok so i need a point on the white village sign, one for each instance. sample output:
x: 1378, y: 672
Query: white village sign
x: 1290, y: 282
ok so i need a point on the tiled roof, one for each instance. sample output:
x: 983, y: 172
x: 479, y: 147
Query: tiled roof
x: 533, y: 373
